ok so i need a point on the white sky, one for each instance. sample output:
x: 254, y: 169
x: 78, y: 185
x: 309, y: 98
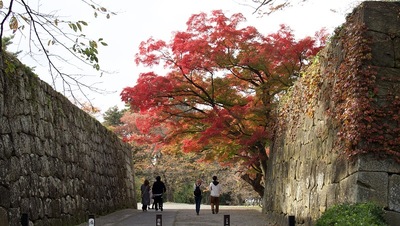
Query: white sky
x: 138, y: 20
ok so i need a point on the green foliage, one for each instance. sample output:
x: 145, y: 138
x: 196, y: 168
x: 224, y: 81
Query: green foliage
x: 353, y: 215
x: 179, y: 173
x: 89, y: 51
x: 184, y: 193
x: 11, y: 64
x: 6, y: 41
x: 112, y: 117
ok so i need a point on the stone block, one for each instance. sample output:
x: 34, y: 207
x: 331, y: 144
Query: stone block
x: 3, y: 216
x: 36, y: 208
x: 339, y: 170
x: 392, y: 218
x: 372, y: 186
x: 1, y: 104
x: 347, y: 189
x: 382, y: 51
x: 15, y: 169
x: 376, y: 15
x: 373, y: 164
x: 5, y: 197
x: 14, y: 217
x: 394, y: 193
x: 38, y: 146
x: 5, y: 125
x: 396, y: 46
x: 320, y: 178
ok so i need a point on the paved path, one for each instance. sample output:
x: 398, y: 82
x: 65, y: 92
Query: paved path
x: 185, y: 215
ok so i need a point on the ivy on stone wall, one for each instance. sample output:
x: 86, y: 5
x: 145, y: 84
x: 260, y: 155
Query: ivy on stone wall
x: 353, y: 88
x: 365, y: 113
x: 300, y: 99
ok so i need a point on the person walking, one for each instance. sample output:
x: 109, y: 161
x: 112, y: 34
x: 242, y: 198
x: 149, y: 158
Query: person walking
x: 198, y: 194
x: 215, y: 188
x: 145, y: 189
x: 158, y: 190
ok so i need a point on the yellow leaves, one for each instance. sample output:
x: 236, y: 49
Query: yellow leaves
x: 90, y: 109
x: 14, y: 24
x: 93, y: 44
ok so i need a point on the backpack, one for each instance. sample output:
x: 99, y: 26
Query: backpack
x: 197, y: 191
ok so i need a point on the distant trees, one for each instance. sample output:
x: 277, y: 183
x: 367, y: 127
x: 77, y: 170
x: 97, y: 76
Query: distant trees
x: 112, y: 117
x: 179, y: 170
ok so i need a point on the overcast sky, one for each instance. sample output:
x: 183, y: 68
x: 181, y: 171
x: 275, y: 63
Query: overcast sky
x: 137, y: 21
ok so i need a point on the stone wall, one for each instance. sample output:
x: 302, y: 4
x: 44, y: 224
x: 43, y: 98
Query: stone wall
x: 57, y: 163
x: 306, y: 172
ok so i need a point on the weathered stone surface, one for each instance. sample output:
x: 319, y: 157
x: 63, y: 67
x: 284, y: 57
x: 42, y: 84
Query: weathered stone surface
x: 369, y: 163
x: 382, y: 18
x: 306, y: 173
x: 56, y: 161
x: 396, y: 46
x: 4, y: 196
x: 392, y: 217
x: 394, y: 193
x: 382, y: 49
x: 3, y: 216
x: 372, y: 186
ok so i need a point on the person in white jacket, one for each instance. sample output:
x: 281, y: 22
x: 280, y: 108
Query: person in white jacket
x: 215, y: 189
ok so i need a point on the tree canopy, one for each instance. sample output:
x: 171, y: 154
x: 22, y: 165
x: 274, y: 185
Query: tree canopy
x: 217, y: 98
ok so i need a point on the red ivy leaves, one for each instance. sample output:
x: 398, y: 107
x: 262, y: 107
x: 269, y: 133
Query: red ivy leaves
x: 364, y: 113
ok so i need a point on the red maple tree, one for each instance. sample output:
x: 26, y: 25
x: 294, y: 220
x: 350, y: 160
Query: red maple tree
x: 220, y: 88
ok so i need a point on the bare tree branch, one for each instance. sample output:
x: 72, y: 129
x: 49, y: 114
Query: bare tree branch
x: 47, y: 27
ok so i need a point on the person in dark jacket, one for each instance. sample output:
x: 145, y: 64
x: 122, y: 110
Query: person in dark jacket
x: 197, y: 191
x: 158, y: 190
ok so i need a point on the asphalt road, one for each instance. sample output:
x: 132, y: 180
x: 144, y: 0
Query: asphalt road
x: 184, y: 215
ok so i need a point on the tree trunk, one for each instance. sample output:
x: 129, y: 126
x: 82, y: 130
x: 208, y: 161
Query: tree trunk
x: 256, y: 183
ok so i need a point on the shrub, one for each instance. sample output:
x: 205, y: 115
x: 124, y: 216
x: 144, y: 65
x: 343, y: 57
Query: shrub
x: 353, y: 215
